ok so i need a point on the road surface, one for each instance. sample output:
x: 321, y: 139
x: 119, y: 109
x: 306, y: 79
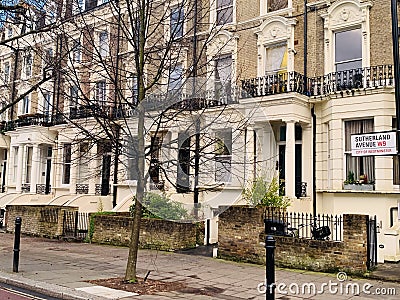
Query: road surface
x: 8, y: 292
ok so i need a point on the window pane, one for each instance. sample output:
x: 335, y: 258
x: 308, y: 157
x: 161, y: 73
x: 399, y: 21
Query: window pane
x: 175, y: 78
x: 176, y: 24
x: 356, y: 64
x: 277, y: 4
x: 276, y: 58
x: 348, y: 45
x: 359, y: 165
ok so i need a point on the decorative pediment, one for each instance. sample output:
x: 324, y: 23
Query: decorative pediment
x: 344, y: 13
x: 224, y: 42
x: 274, y: 29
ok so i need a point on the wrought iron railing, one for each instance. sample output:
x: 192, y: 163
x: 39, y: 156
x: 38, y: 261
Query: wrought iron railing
x: 98, y: 188
x: 301, y: 224
x: 26, y: 188
x: 347, y: 81
x: 352, y: 80
x: 278, y: 83
x: 301, y: 189
x: 41, y: 189
x: 82, y: 188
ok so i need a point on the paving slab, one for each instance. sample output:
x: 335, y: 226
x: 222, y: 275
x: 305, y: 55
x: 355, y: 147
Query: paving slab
x: 68, y: 266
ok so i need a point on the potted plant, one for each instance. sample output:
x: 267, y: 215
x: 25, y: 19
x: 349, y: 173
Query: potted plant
x: 362, y: 184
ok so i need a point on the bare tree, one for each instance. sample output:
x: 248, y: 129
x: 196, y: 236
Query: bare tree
x: 128, y: 72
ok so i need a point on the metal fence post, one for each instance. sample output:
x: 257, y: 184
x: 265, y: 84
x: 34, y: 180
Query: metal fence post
x: 17, y: 239
x: 270, y: 267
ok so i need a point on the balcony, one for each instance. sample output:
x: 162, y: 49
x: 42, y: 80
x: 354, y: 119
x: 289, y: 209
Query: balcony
x: 348, y: 81
x: 26, y: 120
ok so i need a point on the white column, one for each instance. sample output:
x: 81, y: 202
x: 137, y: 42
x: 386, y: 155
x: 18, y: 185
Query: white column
x: 74, y: 167
x: 93, y: 167
x: 10, y: 166
x: 18, y: 181
x: 290, y: 160
x: 35, y: 167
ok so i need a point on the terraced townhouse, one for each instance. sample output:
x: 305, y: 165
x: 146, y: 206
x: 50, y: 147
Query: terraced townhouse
x: 305, y: 75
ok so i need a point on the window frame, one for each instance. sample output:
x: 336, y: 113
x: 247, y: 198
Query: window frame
x: 67, y: 161
x: 361, y: 160
x: 176, y: 26
x: 100, y: 92
x: 28, y: 164
x: 220, y: 15
x: 335, y: 50
x: 224, y: 157
x: 104, y: 47
x: 28, y: 64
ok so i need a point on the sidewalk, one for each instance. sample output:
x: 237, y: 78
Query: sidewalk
x: 60, y: 269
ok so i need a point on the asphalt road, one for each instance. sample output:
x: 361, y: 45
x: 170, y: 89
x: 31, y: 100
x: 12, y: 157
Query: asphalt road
x: 8, y: 292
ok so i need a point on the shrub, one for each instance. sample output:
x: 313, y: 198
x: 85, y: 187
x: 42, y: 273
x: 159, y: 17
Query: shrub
x: 264, y: 193
x: 160, y: 207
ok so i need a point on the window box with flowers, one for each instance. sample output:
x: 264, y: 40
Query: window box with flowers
x: 362, y: 184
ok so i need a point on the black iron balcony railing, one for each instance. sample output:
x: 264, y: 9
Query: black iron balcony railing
x: 336, y: 82
x: 82, y: 188
x: 98, y: 188
x: 42, y: 190
x: 25, y: 187
x: 351, y: 80
x: 341, y: 82
x: 278, y: 83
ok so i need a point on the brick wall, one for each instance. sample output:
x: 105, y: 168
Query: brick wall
x: 154, y: 233
x: 39, y: 220
x: 241, y: 230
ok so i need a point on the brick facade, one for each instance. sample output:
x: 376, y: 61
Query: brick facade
x: 241, y: 240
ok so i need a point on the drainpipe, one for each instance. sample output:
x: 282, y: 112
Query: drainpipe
x: 395, y: 38
x: 305, y: 46
x: 314, y: 186
x: 116, y: 102
x: 13, y: 88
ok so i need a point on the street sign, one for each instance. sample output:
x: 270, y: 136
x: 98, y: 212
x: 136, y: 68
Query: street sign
x: 376, y: 143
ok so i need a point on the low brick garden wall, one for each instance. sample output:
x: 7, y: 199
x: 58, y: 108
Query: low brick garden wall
x: 38, y: 220
x: 241, y: 231
x: 154, y: 233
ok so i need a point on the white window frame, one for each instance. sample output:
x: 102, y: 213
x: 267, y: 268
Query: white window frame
x: 175, y: 83
x: 100, y: 92
x: 104, y: 46
x: 222, y: 159
x: 28, y: 65
x: 47, y: 103
x: 341, y: 16
x: 76, y: 51
x: 66, y: 163
x: 28, y: 164
x: 15, y: 163
x: 25, y: 105
x: 175, y: 24
x: 7, y: 72
x: 224, y: 8
x: 334, y: 48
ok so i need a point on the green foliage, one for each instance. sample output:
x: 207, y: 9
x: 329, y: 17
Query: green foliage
x: 350, y: 178
x: 264, y: 193
x: 89, y: 237
x: 160, y: 207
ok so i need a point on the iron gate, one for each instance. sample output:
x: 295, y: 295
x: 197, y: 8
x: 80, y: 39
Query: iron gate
x: 75, y: 224
x: 372, y: 247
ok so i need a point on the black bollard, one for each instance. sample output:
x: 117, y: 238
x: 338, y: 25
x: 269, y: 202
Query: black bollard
x: 17, y: 239
x: 270, y: 268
